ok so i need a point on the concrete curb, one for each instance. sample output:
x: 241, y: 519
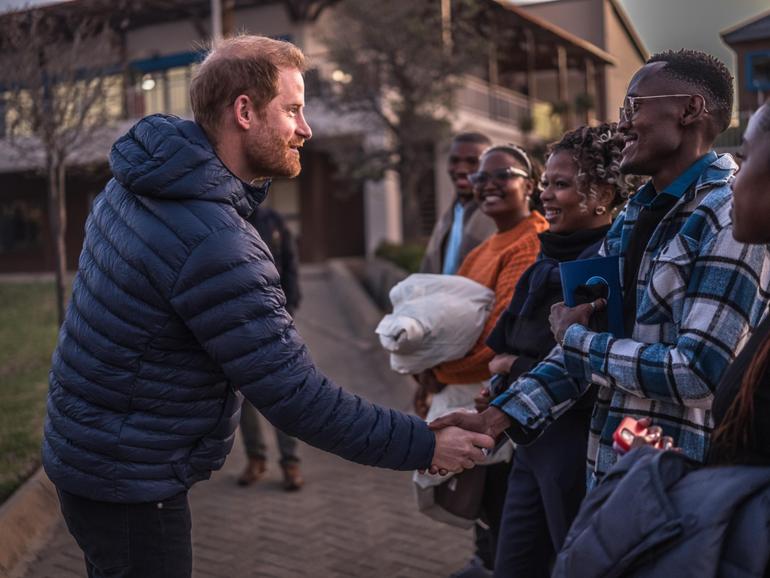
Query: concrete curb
x: 349, y: 288
x: 26, y: 519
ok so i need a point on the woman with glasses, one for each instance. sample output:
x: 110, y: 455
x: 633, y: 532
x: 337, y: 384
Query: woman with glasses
x: 581, y: 188
x: 503, y: 188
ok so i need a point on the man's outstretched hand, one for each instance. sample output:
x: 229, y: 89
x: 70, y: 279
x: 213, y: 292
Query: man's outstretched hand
x: 458, y: 450
x: 491, y: 421
x: 489, y: 424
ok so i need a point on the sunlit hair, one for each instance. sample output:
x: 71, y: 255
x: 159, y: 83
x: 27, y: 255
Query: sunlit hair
x: 706, y: 74
x: 243, y: 64
x: 513, y: 150
x: 597, y: 151
x: 472, y: 138
x: 764, y: 116
x: 533, y: 168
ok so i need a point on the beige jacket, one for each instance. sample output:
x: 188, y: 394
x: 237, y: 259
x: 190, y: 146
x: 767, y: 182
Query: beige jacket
x: 477, y: 228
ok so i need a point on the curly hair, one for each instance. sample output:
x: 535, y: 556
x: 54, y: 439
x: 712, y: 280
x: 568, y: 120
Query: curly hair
x: 597, y: 151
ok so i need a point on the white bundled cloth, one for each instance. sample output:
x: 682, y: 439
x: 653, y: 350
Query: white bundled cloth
x: 458, y: 398
x: 436, y: 318
x: 453, y: 398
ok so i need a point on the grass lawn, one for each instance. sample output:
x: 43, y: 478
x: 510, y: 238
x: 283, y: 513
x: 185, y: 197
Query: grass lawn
x: 28, y: 332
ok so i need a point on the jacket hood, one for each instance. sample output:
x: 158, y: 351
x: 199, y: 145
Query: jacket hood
x: 167, y: 157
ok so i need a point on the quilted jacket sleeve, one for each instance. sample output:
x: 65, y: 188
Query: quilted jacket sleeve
x: 228, y: 293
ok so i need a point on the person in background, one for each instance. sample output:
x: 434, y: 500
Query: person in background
x: 742, y: 401
x: 691, y: 292
x: 274, y: 232
x: 460, y: 229
x: 503, y: 186
x: 580, y: 190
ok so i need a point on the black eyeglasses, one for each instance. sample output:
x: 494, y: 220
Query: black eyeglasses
x: 499, y: 177
x: 631, y: 104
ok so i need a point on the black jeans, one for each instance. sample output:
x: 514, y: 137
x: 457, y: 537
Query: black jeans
x: 547, y: 484
x: 146, y: 540
x: 495, y: 486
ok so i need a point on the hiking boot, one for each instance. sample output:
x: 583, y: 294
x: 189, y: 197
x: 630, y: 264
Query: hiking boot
x: 254, y: 471
x: 292, y: 479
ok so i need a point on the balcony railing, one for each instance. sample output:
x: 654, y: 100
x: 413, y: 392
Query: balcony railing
x: 494, y: 102
x: 508, y: 106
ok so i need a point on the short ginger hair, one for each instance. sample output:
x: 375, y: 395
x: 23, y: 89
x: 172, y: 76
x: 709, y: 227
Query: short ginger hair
x: 245, y: 64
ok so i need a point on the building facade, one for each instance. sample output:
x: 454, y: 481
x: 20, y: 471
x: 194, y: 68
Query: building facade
x: 750, y: 41
x: 516, y: 96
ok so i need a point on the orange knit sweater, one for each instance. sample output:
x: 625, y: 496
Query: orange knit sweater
x: 497, y: 263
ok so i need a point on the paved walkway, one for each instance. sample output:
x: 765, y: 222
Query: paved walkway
x: 348, y: 521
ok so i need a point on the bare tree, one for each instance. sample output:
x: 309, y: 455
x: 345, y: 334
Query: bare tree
x: 395, y: 63
x: 55, y: 82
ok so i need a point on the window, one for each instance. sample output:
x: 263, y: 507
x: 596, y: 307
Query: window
x: 758, y: 71
x: 102, y: 96
x: 162, y: 84
x: 21, y: 225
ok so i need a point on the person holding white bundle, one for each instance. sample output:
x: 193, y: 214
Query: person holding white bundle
x: 503, y: 187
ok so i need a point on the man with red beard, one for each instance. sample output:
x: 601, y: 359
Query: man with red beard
x: 177, y: 312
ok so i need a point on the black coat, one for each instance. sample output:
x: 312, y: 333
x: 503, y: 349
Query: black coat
x: 274, y: 232
x: 523, y: 328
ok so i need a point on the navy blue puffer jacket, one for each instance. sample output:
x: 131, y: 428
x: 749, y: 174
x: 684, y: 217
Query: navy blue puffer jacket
x: 176, y: 307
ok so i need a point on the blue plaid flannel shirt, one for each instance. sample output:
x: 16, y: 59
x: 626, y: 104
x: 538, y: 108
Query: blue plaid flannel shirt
x: 700, y: 293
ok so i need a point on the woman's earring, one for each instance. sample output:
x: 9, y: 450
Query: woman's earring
x: 600, y: 210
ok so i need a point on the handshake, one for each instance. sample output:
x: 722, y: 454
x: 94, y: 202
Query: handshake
x: 463, y: 436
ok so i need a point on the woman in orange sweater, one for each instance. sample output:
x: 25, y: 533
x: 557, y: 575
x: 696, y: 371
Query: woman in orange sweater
x: 503, y: 188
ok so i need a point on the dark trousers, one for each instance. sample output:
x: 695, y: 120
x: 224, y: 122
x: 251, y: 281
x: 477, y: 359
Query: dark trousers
x: 251, y: 432
x: 148, y: 540
x: 546, y: 486
x: 486, y: 536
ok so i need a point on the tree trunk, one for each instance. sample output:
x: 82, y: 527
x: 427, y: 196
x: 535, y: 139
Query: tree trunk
x: 57, y: 212
x: 410, y: 205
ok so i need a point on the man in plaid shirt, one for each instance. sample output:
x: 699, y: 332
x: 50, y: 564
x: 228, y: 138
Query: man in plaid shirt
x: 697, y: 293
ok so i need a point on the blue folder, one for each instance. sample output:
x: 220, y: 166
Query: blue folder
x: 596, y: 273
